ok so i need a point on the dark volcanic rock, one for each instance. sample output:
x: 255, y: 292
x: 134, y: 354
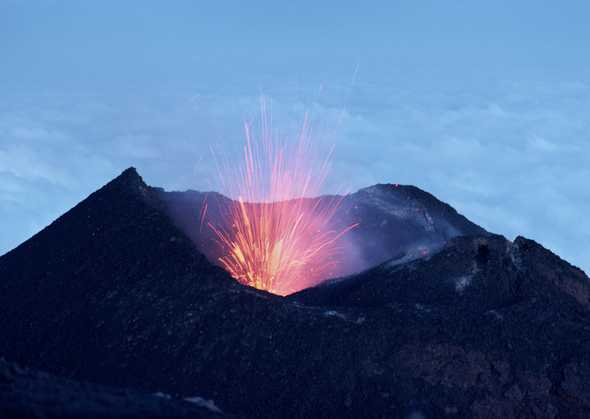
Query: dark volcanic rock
x: 114, y: 293
x: 512, y: 321
x: 30, y: 394
x: 393, y: 221
x: 399, y: 220
x: 473, y: 274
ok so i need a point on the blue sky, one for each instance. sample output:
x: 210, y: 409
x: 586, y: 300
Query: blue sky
x: 484, y: 104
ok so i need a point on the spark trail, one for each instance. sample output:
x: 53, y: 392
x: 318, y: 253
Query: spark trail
x: 274, y: 236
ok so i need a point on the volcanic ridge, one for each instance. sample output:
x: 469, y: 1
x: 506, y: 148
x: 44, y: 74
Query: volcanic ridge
x: 433, y: 317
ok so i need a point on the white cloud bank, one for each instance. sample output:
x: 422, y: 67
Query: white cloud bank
x: 513, y: 158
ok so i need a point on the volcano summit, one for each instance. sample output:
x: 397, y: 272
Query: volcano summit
x: 429, y: 316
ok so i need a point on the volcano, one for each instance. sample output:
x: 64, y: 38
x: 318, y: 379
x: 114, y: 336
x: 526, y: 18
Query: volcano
x: 431, y: 316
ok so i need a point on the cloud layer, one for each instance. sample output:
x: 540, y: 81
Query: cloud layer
x: 512, y: 157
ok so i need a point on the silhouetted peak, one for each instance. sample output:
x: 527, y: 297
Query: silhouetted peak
x: 406, y: 191
x: 408, y: 201
x: 129, y: 181
x: 130, y: 177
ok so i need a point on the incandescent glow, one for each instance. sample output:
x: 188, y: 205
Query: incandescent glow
x: 273, y: 236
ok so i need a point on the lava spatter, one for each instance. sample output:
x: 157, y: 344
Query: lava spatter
x: 274, y: 238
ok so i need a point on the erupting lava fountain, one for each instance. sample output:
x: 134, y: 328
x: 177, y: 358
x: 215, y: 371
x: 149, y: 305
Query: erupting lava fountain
x: 274, y: 237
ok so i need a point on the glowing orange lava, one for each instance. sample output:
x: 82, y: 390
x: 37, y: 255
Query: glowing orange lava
x: 275, y: 237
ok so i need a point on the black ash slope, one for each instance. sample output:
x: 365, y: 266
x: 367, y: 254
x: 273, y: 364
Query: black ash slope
x: 25, y: 393
x: 113, y: 292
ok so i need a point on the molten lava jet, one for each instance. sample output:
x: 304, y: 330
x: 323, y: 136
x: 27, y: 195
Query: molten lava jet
x: 274, y: 236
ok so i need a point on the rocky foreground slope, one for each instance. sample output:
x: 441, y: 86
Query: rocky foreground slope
x: 115, y: 293
x: 25, y: 393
